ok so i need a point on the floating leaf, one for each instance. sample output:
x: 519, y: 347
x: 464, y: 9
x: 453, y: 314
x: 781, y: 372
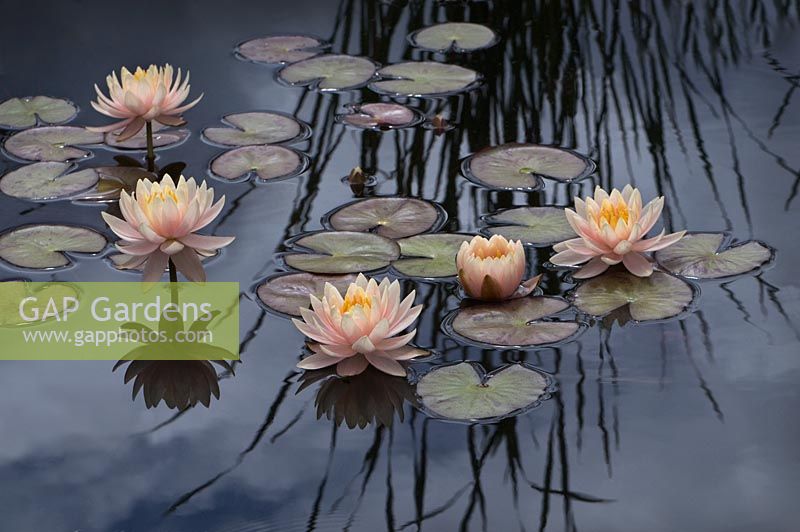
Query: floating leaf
x: 266, y: 162
x: 522, y: 166
x: 430, y: 256
x: 342, y: 252
x: 15, y: 290
x: 112, y: 180
x: 389, y: 217
x: 380, y: 116
x: 453, y: 36
x: 657, y: 297
x: 19, y: 113
x: 537, y: 226
x: 280, y: 49
x: 710, y: 256
x: 46, y: 181
x: 424, y: 78
x: 260, y: 127
x: 162, y: 138
x: 514, y: 323
x: 43, y: 246
x: 330, y: 72
x: 287, y: 293
x: 464, y: 391
x: 54, y: 143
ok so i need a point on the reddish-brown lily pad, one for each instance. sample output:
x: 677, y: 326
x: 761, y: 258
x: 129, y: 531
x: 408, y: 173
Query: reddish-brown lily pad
x: 521, y: 323
x: 287, y: 293
x: 380, y: 116
x: 389, y: 217
x: 281, y: 49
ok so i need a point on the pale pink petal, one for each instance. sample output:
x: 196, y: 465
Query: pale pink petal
x: 637, y: 264
x: 592, y: 268
x: 386, y: 365
x: 188, y: 263
x: 317, y: 361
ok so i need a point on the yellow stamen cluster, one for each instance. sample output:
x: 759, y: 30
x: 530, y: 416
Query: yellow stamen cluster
x: 162, y: 194
x: 356, y: 297
x: 612, y: 213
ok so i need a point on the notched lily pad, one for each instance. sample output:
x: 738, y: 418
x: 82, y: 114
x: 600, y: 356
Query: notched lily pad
x: 429, y: 256
x: 43, y: 247
x: 287, y: 293
x: 265, y: 162
x: 454, y: 37
x: 380, y: 116
x: 337, y: 252
x: 163, y: 137
x: 53, y: 143
x: 332, y: 72
x: 658, y: 297
x: 279, y: 49
x: 535, y: 226
x: 424, y: 78
x: 259, y: 127
x: 713, y: 256
x: 465, y: 392
x: 20, y: 113
x: 522, y: 166
x: 47, y: 180
x: 389, y: 217
x: 522, y: 323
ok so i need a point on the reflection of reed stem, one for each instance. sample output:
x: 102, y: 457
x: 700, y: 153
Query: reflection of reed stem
x: 151, y: 154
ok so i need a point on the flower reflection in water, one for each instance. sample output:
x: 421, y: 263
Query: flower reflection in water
x: 360, y: 400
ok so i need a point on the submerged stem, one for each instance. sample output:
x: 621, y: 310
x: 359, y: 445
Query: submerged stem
x: 151, y: 155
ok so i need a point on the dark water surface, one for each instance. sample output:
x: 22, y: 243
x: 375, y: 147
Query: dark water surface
x: 684, y: 425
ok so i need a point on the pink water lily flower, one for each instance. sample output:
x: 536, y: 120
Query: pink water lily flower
x: 143, y: 96
x: 611, y: 229
x: 361, y: 328
x: 160, y: 223
x: 491, y: 269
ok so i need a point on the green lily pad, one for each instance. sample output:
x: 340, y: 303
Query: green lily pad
x: 43, y: 247
x: 516, y: 323
x: 454, y: 36
x: 522, y: 166
x: 380, y: 116
x: 424, y: 78
x: 265, y: 162
x: 163, y: 137
x: 536, y: 226
x: 329, y: 72
x: 54, y: 143
x: 711, y: 256
x: 465, y: 392
x: 658, y: 297
x: 280, y: 49
x: 287, y: 293
x: 20, y: 113
x: 337, y: 252
x: 389, y: 217
x: 112, y: 180
x: 429, y: 256
x: 261, y: 127
x: 12, y: 292
x: 47, y: 180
